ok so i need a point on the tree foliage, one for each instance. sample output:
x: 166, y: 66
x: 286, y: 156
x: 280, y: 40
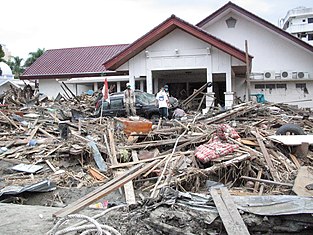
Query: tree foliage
x: 33, y: 56
x: 1, y: 53
x: 15, y: 64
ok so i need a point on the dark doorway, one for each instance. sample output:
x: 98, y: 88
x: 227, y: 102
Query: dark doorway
x: 219, y: 88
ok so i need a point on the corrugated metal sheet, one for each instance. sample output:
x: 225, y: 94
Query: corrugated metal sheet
x: 77, y: 60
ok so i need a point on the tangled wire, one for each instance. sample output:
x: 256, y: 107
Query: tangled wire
x: 93, y: 228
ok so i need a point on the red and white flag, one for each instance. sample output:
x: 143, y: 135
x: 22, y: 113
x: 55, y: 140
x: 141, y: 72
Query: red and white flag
x: 105, y: 90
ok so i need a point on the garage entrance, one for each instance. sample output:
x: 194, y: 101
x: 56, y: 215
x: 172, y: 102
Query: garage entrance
x: 181, y: 83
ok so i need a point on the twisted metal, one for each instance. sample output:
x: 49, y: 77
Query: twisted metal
x: 100, y: 229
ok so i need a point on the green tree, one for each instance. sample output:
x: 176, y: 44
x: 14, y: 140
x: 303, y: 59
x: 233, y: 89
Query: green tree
x: 33, y: 56
x: 1, y: 54
x: 15, y: 64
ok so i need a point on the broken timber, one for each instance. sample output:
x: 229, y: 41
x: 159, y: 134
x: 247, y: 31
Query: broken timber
x: 105, y: 189
x: 228, y: 212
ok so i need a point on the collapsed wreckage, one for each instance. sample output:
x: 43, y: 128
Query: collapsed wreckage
x: 222, y: 172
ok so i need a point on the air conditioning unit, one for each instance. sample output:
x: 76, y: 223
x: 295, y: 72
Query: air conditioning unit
x: 286, y: 75
x: 269, y: 75
x: 302, y: 75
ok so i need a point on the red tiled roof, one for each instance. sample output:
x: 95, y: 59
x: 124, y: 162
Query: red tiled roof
x: 236, y: 8
x: 71, y: 62
x: 163, y: 29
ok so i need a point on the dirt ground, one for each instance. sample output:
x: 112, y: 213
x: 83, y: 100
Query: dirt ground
x: 25, y: 219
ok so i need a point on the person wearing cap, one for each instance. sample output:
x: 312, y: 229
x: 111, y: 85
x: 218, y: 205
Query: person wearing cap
x: 129, y: 100
x: 162, y: 100
x: 166, y: 91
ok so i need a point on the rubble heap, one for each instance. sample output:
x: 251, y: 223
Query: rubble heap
x: 59, y: 144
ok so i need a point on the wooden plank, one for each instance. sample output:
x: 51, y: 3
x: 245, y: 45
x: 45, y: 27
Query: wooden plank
x: 113, y: 157
x: 268, y: 160
x: 256, y: 186
x: 128, y: 187
x: 295, y: 160
x: 228, y: 212
x: 101, y: 188
x: 266, y: 181
x: 33, y: 132
x: 304, y: 178
x: 97, y: 194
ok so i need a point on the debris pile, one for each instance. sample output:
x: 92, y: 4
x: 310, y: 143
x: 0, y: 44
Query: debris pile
x: 53, y: 145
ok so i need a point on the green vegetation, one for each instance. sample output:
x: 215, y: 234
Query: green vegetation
x: 15, y: 62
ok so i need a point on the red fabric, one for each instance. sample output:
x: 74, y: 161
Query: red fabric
x: 224, y: 130
x: 217, y: 145
x: 105, y: 89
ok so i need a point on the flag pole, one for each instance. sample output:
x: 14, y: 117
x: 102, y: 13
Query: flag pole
x: 101, y: 110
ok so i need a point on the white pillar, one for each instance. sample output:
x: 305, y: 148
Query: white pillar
x: 229, y: 99
x: 209, y: 78
x: 118, y: 86
x: 149, y: 81
x: 229, y: 94
x: 95, y: 86
x: 142, y: 85
x: 131, y: 73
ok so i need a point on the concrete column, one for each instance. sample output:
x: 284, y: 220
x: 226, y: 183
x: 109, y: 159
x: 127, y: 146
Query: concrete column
x: 118, y: 86
x: 149, y: 81
x: 229, y: 99
x: 142, y: 85
x: 228, y: 80
x: 131, y: 73
x: 95, y: 86
x: 229, y: 94
x: 209, y: 78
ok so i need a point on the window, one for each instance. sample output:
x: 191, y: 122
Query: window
x: 270, y: 86
x: 310, y: 20
x: 117, y: 104
x: 105, y: 105
x: 231, y: 22
x: 301, y: 86
x: 259, y: 86
x: 310, y: 37
x: 281, y: 86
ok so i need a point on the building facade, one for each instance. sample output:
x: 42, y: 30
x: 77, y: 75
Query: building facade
x: 299, y: 22
x: 186, y: 56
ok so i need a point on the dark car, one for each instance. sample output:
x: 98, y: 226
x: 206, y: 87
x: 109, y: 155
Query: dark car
x: 145, y: 105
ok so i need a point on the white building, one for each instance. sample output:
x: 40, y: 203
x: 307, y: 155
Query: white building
x: 186, y: 56
x: 299, y: 22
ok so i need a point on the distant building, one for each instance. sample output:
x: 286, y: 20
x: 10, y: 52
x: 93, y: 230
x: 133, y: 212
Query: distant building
x: 7, y: 53
x: 299, y: 22
x: 5, y: 71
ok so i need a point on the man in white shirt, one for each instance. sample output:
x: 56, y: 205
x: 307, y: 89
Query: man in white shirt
x: 129, y: 100
x: 163, y: 102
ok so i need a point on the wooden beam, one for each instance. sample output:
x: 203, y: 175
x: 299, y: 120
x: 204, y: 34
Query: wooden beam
x: 104, y: 190
x: 228, y: 212
x: 268, y: 160
x: 266, y: 181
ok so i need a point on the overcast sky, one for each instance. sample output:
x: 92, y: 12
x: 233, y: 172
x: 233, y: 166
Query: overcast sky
x: 27, y: 25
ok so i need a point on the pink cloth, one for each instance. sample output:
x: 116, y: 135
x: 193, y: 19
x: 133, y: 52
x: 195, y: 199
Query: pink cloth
x: 218, y: 145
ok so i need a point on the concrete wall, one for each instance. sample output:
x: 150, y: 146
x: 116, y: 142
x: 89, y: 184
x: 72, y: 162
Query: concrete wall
x: 294, y: 93
x: 52, y: 88
x: 178, y: 50
x: 270, y: 50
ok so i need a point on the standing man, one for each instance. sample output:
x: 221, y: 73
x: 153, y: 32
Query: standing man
x: 129, y: 100
x: 163, y: 102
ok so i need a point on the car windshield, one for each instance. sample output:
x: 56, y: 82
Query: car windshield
x: 145, y: 98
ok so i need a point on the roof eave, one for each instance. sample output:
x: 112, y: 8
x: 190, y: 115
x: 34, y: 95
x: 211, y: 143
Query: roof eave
x: 163, y: 29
